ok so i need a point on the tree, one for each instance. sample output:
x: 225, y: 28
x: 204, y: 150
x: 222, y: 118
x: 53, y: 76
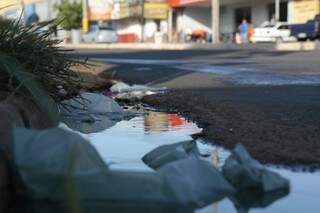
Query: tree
x: 70, y: 14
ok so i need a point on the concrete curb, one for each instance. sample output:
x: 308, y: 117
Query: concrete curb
x: 298, y: 46
x: 167, y: 46
x: 290, y: 46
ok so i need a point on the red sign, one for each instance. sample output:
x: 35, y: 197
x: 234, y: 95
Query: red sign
x: 179, y: 3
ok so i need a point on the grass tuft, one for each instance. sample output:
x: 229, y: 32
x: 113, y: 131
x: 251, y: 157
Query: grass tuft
x: 39, y: 55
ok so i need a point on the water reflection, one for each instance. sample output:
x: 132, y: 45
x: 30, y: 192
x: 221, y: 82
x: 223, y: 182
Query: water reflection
x: 161, y: 122
x: 158, y: 128
x: 304, y: 193
x: 156, y: 122
x: 244, y: 201
x: 123, y: 145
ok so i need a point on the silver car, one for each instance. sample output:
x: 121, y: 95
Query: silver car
x: 101, y: 35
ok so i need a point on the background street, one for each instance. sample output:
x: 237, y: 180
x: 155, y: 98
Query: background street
x: 213, y: 67
x: 267, y: 100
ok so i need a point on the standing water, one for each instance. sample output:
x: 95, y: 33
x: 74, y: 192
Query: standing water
x: 123, y: 146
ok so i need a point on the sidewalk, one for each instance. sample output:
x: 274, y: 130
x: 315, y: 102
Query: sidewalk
x: 292, y: 46
x: 298, y: 46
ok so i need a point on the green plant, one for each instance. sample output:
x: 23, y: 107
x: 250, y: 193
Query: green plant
x: 39, y: 56
x: 70, y: 14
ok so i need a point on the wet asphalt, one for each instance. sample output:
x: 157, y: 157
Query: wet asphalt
x: 269, y: 101
x: 212, y: 67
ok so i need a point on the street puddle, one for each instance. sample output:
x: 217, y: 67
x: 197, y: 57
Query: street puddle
x: 303, y: 196
x: 123, y: 145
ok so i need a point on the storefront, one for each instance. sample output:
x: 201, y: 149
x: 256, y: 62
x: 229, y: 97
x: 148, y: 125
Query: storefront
x: 127, y: 18
x: 262, y: 11
x: 155, y: 14
x: 187, y: 16
x: 137, y: 18
x: 190, y: 15
x: 256, y: 12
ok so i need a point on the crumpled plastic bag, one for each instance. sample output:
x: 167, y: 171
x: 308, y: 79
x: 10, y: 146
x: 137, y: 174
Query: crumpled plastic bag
x: 123, y: 87
x: 203, y: 181
x: 170, y: 153
x: 255, y: 185
x: 124, y: 92
x: 246, y: 173
x: 58, y: 165
x: 91, y: 113
x: 90, y: 103
x: 120, y: 87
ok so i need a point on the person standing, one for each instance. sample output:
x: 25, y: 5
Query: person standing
x: 243, y: 30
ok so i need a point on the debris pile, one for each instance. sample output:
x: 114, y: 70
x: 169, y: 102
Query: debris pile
x: 91, y: 112
x: 125, y: 92
x: 69, y: 169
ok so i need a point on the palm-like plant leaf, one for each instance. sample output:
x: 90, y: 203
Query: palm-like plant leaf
x: 39, y: 55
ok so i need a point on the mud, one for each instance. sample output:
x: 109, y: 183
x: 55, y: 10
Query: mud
x: 276, y: 124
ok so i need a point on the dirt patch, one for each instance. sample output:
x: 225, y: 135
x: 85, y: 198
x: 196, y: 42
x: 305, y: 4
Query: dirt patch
x: 276, y: 124
x: 95, y: 75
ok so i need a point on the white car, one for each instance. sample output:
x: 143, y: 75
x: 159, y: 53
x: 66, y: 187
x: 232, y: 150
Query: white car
x: 101, y: 35
x: 273, y: 33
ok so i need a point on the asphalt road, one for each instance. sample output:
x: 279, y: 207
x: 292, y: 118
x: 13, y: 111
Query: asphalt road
x: 268, y: 101
x: 245, y: 67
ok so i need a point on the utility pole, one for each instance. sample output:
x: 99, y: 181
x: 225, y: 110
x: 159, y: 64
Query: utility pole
x: 142, y: 21
x: 85, y: 19
x: 170, y: 24
x: 277, y: 10
x: 215, y: 19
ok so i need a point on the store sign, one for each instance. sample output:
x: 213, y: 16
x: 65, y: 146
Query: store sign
x: 100, y: 10
x: 156, y: 10
x: 155, y: 1
x: 179, y: 3
x: 125, y: 9
x: 135, y: 10
x: 305, y: 10
x: 120, y: 10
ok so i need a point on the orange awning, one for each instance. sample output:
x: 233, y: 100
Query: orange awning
x: 180, y: 3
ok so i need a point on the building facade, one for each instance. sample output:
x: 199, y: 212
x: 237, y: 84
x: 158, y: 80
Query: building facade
x: 190, y: 15
x: 175, y: 18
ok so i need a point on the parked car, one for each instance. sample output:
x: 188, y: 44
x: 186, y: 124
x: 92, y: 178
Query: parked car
x: 309, y: 30
x: 273, y: 32
x: 103, y: 34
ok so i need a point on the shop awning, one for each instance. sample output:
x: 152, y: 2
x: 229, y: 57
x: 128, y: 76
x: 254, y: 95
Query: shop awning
x: 179, y: 3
